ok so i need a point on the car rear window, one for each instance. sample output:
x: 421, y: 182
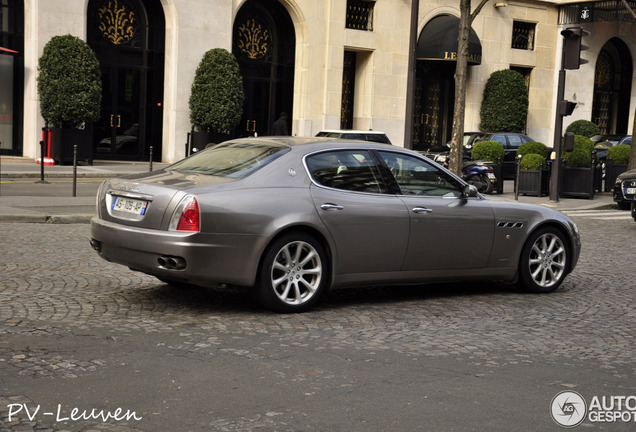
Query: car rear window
x: 232, y: 159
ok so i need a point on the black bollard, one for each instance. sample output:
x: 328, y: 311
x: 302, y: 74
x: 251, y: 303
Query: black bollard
x: 150, y: 167
x: 75, y: 170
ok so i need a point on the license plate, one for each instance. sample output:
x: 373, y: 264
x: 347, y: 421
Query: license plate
x: 630, y: 191
x: 130, y: 205
x: 491, y: 176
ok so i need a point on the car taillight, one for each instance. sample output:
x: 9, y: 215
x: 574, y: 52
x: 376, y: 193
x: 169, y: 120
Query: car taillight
x: 187, y: 216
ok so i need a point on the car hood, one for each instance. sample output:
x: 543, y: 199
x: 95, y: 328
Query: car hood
x: 627, y: 174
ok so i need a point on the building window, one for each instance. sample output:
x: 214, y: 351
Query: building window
x: 526, y: 72
x: 523, y: 35
x: 360, y: 15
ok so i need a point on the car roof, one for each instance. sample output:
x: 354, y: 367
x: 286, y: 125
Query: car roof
x: 352, y: 131
x: 316, y: 143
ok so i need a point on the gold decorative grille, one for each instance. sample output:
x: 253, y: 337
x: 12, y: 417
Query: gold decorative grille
x: 253, y: 39
x: 523, y: 35
x: 602, y: 93
x: 116, y: 22
x: 360, y: 14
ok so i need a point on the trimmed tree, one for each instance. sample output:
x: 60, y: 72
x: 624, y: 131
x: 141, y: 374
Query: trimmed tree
x: 504, y: 107
x: 69, y: 83
x: 216, y: 99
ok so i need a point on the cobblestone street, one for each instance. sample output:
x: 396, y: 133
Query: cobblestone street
x: 81, y: 333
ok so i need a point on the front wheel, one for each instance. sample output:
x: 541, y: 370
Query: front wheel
x: 544, y: 261
x: 293, y: 273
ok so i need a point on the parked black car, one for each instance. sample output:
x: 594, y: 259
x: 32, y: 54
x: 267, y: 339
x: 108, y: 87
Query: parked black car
x: 509, y: 140
x: 625, y: 189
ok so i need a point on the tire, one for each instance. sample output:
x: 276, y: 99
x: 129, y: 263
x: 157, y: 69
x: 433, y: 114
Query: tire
x: 545, y: 260
x: 489, y: 185
x: 293, y: 273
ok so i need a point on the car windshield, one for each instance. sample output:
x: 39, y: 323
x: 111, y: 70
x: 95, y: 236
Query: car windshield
x: 232, y: 159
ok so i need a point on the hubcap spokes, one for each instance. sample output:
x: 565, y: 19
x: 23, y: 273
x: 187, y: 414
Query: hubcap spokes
x: 547, y: 260
x: 296, y: 273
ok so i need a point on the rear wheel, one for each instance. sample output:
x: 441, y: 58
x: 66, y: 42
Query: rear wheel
x: 544, y: 260
x: 293, y: 273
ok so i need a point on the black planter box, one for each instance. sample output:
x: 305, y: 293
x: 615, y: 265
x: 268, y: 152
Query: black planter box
x: 611, y: 172
x: 199, y: 140
x: 63, y: 140
x: 577, y: 182
x: 533, y: 182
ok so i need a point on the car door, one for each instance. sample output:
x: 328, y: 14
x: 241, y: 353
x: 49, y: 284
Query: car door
x: 369, y: 226
x: 447, y: 231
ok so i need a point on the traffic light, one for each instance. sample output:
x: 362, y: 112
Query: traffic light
x: 572, y: 47
x: 568, y: 142
x: 566, y: 108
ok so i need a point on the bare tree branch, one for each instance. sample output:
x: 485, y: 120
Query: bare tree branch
x: 478, y: 9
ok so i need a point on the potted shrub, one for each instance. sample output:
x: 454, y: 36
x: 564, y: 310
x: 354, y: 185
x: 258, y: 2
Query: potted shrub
x: 504, y: 107
x: 216, y: 98
x: 494, y: 152
x: 584, y: 128
x: 578, y: 172
x: 70, y: 89
x: 534, y: 175
x: 533, y: 147
x: 617, y: 163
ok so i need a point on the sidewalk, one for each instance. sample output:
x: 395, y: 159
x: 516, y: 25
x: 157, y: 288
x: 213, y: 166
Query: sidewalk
x: 64, y: 208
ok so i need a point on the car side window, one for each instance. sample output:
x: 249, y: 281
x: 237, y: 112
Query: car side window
x: 351, y: 170
x: 419, y: 177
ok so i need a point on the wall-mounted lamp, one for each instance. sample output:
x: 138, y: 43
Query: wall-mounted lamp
x: 499, y: 5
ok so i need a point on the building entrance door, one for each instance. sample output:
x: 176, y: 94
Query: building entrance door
x: 434, y: 101
x: 264, y: 44
x: 128, y: 37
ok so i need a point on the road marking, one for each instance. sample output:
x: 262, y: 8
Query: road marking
x: 599, y: 214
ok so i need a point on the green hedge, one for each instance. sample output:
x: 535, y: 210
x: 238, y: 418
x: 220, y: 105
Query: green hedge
x: 584, y: 128
x: 533, y: 147
x: 533, y: 161
x: 504, y: 107
x: 619, y: 154
x: 488, y: 150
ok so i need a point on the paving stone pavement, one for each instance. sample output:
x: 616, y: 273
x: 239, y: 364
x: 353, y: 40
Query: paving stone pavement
x: 55, y: 288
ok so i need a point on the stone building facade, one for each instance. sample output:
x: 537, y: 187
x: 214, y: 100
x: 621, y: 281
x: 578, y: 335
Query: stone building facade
x: 329, y: 64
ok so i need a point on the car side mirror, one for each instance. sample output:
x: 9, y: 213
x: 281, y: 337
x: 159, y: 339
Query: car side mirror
x: 469, y: 191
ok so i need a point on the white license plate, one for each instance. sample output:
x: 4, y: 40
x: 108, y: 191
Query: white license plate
x: 130, y: 205
x: 630, y: 191
x: 491, y: 176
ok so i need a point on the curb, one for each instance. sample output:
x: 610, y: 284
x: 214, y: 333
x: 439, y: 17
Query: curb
x: 49, y: 219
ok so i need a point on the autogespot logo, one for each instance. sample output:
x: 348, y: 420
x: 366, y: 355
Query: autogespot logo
x: 568, y: 409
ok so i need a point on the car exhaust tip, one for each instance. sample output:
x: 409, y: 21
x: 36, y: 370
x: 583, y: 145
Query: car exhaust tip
x: 171, y: 262
x: 96, y: 245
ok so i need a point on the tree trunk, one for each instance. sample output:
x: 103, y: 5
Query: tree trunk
x: 632, y: 158
x: 461, y: 70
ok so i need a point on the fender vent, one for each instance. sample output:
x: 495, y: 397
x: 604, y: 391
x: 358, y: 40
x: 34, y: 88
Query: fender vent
x: 505, y: 224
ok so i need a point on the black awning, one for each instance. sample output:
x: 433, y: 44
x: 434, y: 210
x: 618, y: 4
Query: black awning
x: 438, y: 41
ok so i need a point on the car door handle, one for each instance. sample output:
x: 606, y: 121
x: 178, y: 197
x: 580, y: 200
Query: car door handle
x: 329, y: 206
x: 422, y: 210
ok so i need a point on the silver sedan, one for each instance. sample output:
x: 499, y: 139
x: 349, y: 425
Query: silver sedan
x: 293, y: 217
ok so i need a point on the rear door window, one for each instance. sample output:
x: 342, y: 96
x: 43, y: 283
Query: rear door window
x: 350, y: 170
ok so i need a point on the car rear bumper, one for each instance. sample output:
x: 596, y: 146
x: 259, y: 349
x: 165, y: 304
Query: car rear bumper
x: 196, y: 258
